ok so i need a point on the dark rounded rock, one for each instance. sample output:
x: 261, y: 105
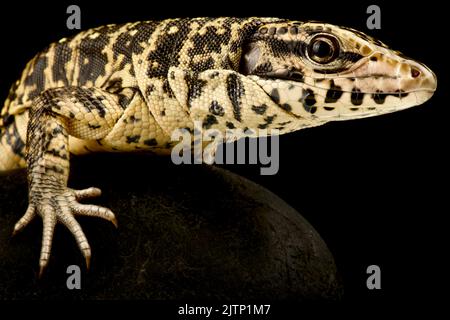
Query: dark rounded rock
x: 185, y: 232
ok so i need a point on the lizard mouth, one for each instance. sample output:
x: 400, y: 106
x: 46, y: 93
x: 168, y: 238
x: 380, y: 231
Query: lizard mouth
x: 328, y: 101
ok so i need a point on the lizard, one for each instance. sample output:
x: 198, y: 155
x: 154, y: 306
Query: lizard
x: 127, y: 87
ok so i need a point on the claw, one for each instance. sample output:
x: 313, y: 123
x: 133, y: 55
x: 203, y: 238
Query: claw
x: 41, y: 271
x: 88, y: 262
x: 114, y: 222
x: 42, y: 266
x: 25, y: 220
x: 95, y: 211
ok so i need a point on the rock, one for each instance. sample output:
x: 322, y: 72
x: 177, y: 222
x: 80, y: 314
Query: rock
x: 185, y: 232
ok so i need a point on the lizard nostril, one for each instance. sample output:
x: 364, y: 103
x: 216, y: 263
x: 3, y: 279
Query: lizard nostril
x: 415, y: 73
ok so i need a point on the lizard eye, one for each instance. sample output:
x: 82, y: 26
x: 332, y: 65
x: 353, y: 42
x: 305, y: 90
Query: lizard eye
x: 323, y: 49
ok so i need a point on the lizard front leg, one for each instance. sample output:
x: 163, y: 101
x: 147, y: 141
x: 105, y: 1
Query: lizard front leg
x: 86, y: 113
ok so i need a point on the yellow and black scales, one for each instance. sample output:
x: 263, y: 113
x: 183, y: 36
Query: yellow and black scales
x: 128, y: 87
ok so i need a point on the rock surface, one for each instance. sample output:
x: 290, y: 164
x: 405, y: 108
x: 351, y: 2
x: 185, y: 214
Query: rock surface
x: 185, y: 232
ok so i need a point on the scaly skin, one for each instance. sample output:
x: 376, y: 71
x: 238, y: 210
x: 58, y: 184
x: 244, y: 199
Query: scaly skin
x: 128, y: 87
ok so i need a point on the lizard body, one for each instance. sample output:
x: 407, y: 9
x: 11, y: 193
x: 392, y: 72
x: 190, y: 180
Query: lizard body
x: 128, y: 87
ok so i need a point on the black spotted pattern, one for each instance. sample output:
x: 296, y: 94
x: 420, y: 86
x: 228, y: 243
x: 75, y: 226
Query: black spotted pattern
x: 13, y: 139
x: 286, y: 106
x: 168, y: 46
x: 195, y: 87
x: 357, y: 97
x: 151, y: 142
x: 260, y: 109
x: 267, y: 122
x: 235, y: 90
x: 379, y: 97
x: 63, y: 54
x: 92, y: 59
x: 275, y: 95
x: 133, y: 139
x: 334, y: 93
x: 216, y: 109
x: 209, y: 121
x: 308, y: 100
x: 230, y: 125
x: 37, y: 77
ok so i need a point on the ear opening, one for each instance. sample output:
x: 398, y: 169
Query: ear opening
x: 249, y: 58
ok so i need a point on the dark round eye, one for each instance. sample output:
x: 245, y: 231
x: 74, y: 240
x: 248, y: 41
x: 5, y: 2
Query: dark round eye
x: 323, y: 49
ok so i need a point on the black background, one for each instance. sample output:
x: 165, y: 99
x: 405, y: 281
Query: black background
x: 375, y: 189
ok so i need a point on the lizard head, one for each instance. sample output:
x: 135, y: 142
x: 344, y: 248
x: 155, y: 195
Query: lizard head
x: 321, y: 71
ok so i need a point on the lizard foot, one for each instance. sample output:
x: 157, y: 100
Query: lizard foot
x: 61, y: 207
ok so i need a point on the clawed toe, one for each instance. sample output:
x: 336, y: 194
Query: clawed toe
x: 25, y: 220
x: 63, y: 207
x: 91, y: 192
x: 95, y: 211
